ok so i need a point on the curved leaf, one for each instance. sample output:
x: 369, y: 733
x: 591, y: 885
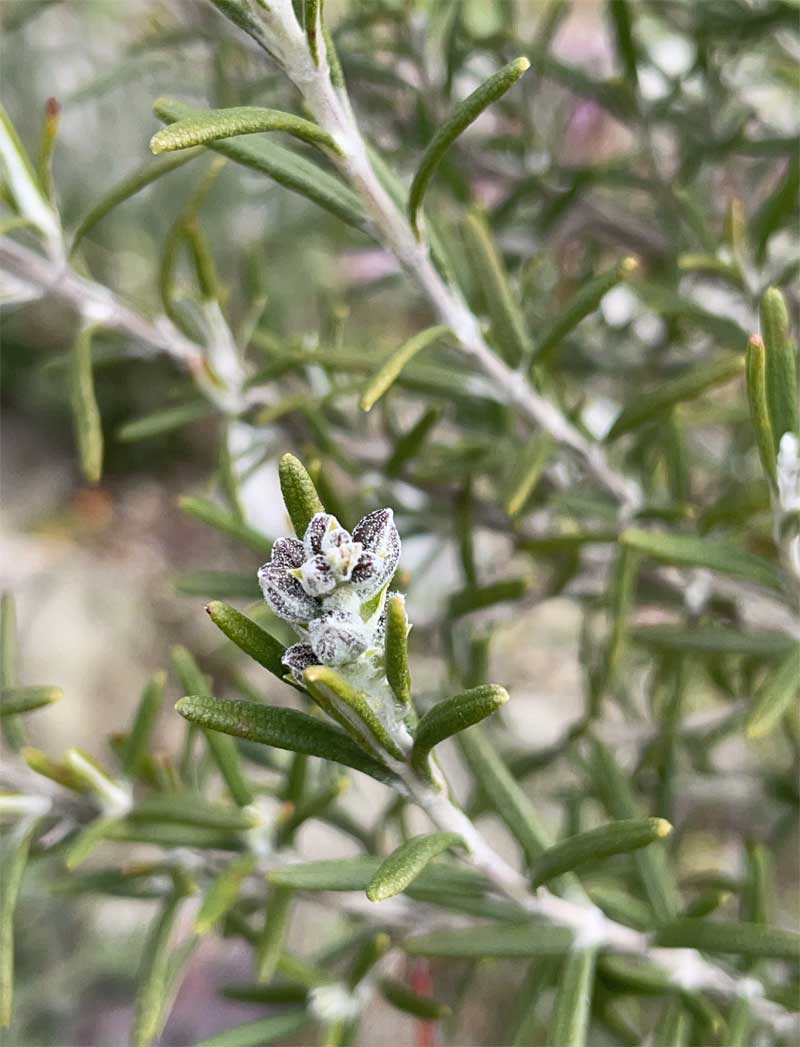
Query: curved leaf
x: 202, y: 128
x: 405, y: 864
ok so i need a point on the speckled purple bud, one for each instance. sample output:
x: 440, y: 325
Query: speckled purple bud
x: 316, y: 530
x: 316, y: 576
x: 282, y: 591
x: 337, y: 638
x: 288, y: 551
x: 297, y: 658
x: 378, y: 535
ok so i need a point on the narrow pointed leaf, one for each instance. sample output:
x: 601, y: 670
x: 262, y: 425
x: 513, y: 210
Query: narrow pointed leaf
x: 759, y: 411
x: 573, y: 999
x: 781, y: 366
x: 618, y: 798
x: 464, y: 114
x: 299, y: 493
x: 160, y: 422
x: 261, y: 1032
x: 405, y: 864
x: 223, y: 749
x: 248, y: 637
x: 504, y: 941
x: 15, y: 700
x: 218, y: 584
x: 85, y: 412
x: 675, y: 1026
x: 585, y: 302
x: 138, y: 741
x: 23, y: 183
x: 47, y: 144
x: 477, y: 598
x: 356, y: 874
x: 391, y: 368
x: 13, y: 731
x: 205, y: 127
x: 283, y: 728
x: 628, y: 834
x: 527, y: 471
x: 273, y: 934
x: 742, y: 939
x: 687, y: 550
x: 453, y: 715
x: 409, y: 444
x: 223, y: 893
x: 779, y: 691
x: 397, y: 672
x: 284, y: 166
x: 16, y: 848
x: 713, y: 640
x: 217, y: 517
x: 128, y: 187
x: 153, y: 972
x: 191, y: 809
x: 506, y: 796
x: 648, y: 405
x: 350, y: 707
x: 405, y: 999
x: 509, y: 331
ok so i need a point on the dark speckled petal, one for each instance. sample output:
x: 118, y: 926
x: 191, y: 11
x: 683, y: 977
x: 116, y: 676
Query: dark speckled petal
x: 288, y: 551
x: 297, y: 658
x: 285, y: 595
x: 316, y: 530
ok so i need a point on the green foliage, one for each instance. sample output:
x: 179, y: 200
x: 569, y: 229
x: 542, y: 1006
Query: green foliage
x: 571, y: 390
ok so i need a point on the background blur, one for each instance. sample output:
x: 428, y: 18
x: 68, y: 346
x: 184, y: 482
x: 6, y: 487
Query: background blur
x: 94, y: 569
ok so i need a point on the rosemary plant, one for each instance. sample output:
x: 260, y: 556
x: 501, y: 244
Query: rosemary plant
x: 590, y: 398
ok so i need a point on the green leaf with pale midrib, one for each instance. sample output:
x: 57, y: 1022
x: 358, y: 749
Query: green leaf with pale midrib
x: 743, y: 939
x: 283, y: 728
x: 406, y: 863
x: 620, y: 837
x: 533, y: 939
x: 715, y: 554
x: 356, y: 874
x: 202, y: 128
x: 287, y: 168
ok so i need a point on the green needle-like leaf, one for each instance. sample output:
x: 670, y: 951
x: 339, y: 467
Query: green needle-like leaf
x: 299, y: 493
x: 649, y: 405
x: 476, y: 598
x: 273, y: 934
x: 283, y: 728
x: 284, y: 166
x: 223, y: 749
x: 209, y: 126
x: 507, y: 797
x: 464, y: 114
x: 153, y: 974
x: 629, y: 834
x: 15, y: 700
x: 442, y: 878
x: 353, y: 709
x: 453, y: 715
x: 275, y: 1029
x: 775, y: 698
x: 192, y: 809
x: 217, y: 517
x: 223, y: 892
x: 573, y: 999
x: 85, y: 412
x: 392, y: 367
x: 506, y: 941
x: 138, y: 741
x: 781, y: 366
x: 248, y: 636
x: 742, y: 939
x: 585, y: 302
x: 618, y: 798
x: 218, y: 584
x: 16, y: 848
x: 166, y: 421
x: 396, y: 649
x: 405, y: 999
x: 687, y: 550
x: 128, y: 187
x: 405, y: 864
x: 508, y: 324
x: 759, y: 410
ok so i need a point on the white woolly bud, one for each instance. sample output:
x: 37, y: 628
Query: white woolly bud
x: 789, y: 473
x: 334, y: 1002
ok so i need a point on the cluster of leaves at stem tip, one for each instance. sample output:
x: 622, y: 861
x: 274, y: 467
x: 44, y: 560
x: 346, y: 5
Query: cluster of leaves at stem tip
x: 562, y: 409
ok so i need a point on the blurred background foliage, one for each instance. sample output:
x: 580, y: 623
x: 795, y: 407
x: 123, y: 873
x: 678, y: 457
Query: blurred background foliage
x: 661, y: 132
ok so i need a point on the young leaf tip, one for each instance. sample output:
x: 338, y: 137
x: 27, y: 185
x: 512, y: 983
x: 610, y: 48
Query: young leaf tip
x: 522, y: 64
x: 662, y: 827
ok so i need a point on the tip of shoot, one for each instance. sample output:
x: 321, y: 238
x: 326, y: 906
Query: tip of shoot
x: 662, y: 827
x: 522, y: 64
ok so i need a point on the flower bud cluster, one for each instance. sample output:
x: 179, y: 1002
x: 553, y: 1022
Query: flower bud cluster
x: 322, y: 583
